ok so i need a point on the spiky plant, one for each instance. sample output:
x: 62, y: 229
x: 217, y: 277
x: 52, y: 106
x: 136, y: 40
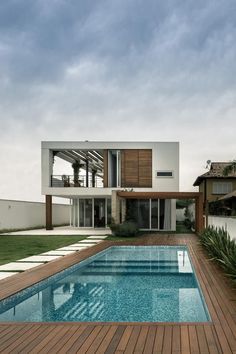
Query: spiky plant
x: 221, y: 248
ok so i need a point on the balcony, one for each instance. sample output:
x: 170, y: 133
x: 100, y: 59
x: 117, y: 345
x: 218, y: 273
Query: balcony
x: 62, y: 181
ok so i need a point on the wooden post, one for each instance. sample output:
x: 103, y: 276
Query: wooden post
x: 48, y: 203
x: 199, y: 222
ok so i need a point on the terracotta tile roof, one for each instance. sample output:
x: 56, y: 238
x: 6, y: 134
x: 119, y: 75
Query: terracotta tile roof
x: 216, y: 171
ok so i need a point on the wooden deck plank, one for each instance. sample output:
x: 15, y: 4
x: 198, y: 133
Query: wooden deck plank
x: 141, y: 340
x: 106, y: 341
x: 124, y: 339
x: 115, y: 340
x: 158, y: 344
x: 150, y: 340
x: 47, y: 338
x: 16, y: 333
x: 88, y: 341
x: 202, y: 340
x: 29, y: 336
x: 96, y: 343
x: 133, y: 340
x: 193, y: 340
x: 77, y: 339
x: 185, y: 345
x: 167, y: 340
x: 176, y: 343
x: 211, y: 340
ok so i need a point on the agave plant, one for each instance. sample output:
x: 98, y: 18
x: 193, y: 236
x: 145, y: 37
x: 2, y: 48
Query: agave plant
x: 221, y: 248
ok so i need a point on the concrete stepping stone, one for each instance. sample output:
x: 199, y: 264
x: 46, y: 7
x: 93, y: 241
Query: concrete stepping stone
x: 39, y: 258
x: 57, y: 253
x: 79, y: 245
x: 17, y: 266
x: 76, y: 248
x: 90, y: 241
x: 4, y: 275
x: 97, y: 237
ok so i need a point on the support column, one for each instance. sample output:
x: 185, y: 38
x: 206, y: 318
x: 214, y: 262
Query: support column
x: 48, y: 203
x: 199, y: 221
x: 115, y: 207
x: 123, y: 209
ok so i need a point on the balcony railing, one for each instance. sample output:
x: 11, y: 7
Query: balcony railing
x: 71, y: 181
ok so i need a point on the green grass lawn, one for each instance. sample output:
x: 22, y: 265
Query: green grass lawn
x: 17, y: 247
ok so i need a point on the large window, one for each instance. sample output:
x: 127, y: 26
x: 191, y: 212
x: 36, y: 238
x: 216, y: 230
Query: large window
x: 222, y: 187
x: 150, y: 213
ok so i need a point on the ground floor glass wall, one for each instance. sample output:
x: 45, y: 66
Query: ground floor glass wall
x: 152, y: 214
x: 90, y: 212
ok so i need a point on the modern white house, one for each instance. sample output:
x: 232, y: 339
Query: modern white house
x: 103, y: 180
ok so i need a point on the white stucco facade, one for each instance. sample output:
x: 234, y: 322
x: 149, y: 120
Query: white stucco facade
x: 165, y: 157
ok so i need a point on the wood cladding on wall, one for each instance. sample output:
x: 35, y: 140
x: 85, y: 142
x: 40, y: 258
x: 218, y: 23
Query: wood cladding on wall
x: 136, y: 168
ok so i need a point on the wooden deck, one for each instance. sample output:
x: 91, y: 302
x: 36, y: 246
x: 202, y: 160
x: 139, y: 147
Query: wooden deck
x: 218, y: 336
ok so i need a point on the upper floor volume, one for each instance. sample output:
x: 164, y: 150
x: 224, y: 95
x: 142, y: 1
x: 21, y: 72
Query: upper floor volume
x: 137, y: 165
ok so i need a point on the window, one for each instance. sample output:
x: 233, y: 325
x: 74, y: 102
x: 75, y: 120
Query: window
x: 221, y: 187
x: 164, y: 174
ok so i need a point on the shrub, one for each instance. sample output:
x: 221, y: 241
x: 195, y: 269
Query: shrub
x: 221, y: 248
x: 127, y: 229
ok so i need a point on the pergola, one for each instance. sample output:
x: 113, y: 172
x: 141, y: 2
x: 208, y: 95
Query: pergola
x: 197, y: 196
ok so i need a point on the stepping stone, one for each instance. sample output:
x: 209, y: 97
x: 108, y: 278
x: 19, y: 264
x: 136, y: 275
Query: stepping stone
x: 81, y: 245
x: 96, y: 237
x: 74, y: 249
x: 39, y: 258
x: 90, y: 241
x: 14, y: 266
x: 4, y: 275
x: 56, y: 253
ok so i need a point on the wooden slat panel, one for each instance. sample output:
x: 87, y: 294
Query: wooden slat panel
x: 136, y: 168
x: 145, y: 168
x: 129, y: 166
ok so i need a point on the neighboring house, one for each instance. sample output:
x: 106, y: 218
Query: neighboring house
x: 214, y: 184
x: 106, y: 178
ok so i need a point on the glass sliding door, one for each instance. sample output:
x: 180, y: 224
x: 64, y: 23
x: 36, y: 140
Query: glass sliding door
x: 165, y: 214
x: 99, y: 212
x: 154, y: 214
x: 85, y: 213
x: 143, y: 213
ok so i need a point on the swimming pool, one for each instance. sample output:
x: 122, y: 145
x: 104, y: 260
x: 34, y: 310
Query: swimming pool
x: 119, y: 284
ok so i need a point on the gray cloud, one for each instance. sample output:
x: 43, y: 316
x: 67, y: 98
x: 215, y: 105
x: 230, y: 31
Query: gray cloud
x: 115, y: 70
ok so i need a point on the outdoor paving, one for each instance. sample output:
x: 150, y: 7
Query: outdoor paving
x: 56, y: 253
x: 4, y: 275
x: 70, y: 248
x: 63, y: 230
x: 17, y: 266
x: 90, y: 241
x: 39, y: 258
x: 33, y: 261
x: 97, y: 237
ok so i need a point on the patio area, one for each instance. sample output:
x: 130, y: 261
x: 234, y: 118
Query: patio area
x: 218, y: 336
x: 63, y: 230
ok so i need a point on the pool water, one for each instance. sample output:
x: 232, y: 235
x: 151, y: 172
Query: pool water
x: 123, y: 284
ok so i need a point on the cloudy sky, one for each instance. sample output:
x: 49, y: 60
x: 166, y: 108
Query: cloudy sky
x: 161, y: 70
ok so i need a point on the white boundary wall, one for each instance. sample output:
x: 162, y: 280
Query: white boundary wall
x: 16, y: 214
x: 228, y: 223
